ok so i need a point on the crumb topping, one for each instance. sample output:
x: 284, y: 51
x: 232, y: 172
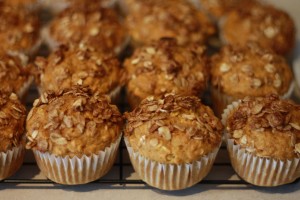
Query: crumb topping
x: 69, y: 66
x: 173, y: 18
x: 72, y: 122
x: 12, y: 121
x: 160, y: 128
x: 266, y: 126
x: 256, y: 70
x: 165, y: 67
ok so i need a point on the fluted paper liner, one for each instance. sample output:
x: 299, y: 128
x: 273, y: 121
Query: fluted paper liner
x: 170, y: 176
x: 260, y: 171
x: 23, y: 90
x: 11, y: 161
x: 73, y: 171
x: 221, y: 100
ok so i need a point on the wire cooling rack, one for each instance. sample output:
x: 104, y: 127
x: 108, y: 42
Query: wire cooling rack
x: 122, y: 172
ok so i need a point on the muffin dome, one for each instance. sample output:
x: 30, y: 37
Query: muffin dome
x: 173, y: 129
x: 74, y: 122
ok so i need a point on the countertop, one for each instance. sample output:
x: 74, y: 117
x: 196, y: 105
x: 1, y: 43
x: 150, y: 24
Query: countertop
x: 140, y: 191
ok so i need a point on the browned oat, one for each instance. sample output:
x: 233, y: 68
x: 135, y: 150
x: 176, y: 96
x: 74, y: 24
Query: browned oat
x: 173, y: 129
x: 165, y: 67
x: 12, y: 121
x: 98, y: 28
x: 69, y: 66
x: 73, y: 122
x: 266, y: 127
x: 154, y: 19
x: 264, y: 24
x: 19, y: 29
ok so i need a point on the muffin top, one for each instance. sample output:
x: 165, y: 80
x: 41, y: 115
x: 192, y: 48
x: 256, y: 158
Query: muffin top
x: 73, y: 122
x: 256, y: 71
x: 173, y: 129
x: 97, y: 27
x: 69, y: 66
x: 20, y: 3
x: 219, y: 8
x: 19, y: 28
x: 13, y: 72
x: 12, y: 121
x: 153, y: 19
x: 270, y: 27
x: 266, y: 127
x: 165, y: 67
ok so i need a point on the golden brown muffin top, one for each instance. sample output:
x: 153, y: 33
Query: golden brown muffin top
x: 173, y: 129
x: 250, y: 71
x: 165, y: 67
x: 13, y: 72
x: 69, y: 66
x: 153, y: 19
x: 219, y: 8
x: 270, y: 27
x: 266, y: 127
x: 99, y: 28
x: 20, y: 3
x: 19, y: 28
x: 73, y: 122
x: 12, y: 121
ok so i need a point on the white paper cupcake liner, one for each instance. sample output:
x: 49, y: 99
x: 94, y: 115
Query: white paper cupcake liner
x: 11, y: 161
x: 260, y: 171
x: 221, y: 100
x: 73, y: 171
x: 23, y: 90
x: 170, y: 176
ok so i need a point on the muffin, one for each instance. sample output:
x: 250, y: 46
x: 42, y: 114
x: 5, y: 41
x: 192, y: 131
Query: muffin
x: 68, y: 66
x: 218, y: 8
x: 165, y: 67
x: 172, y: 140
x: 170, y: 18
x: 12, y: 140
x: 74, y: 135
x: 239, y: 71
x: 19, y: 30
x: 99, y: 28
x: 57, y: 6
x: 27, y: 4
x: 264, y: 24
x: 15, y: 75
x: 263, y: 140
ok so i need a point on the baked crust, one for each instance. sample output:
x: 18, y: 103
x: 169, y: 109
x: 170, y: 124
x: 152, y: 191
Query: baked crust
x: 266, y: 127
x: 173, y: 129
x: 73, y: 122
x: 69, y: 66
x: 264, y: 24
x: 14, y: 73
x: 153, y: 19
x: 19, y: 29
x: 12, y: 121
x: 256, y: 71
x: 165, y: 67
x: 98, y: 28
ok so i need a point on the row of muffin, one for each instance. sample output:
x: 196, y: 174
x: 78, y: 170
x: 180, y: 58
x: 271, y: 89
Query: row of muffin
x: 88, y: 23
x: 172, y: 140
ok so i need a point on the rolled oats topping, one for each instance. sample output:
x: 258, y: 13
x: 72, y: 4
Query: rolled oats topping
x: 269, y: 126
x: 69, y: 66
x: 172, y: 18
x: 19, y: 28
x: 261, y: 23
x: 168, y: 124
x: 99, y: 28
x: 12, y: 121
x: 256, y: 70
x: 165, y: 67
x: 14, y: 73
x: 72, y: 122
